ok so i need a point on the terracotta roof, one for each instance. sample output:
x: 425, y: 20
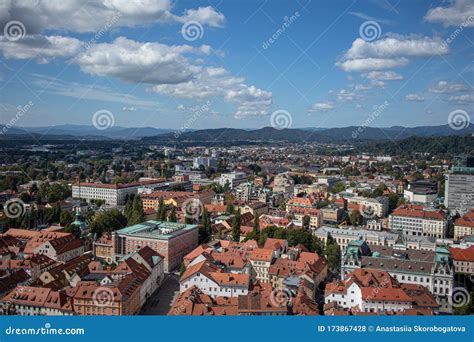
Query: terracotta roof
x: 463, y: 254
x: 467, y: 220
x: 261, y: 254
x: 419, y: 211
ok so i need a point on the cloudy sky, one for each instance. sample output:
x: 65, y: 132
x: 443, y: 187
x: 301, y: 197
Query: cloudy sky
x: 158, y: 62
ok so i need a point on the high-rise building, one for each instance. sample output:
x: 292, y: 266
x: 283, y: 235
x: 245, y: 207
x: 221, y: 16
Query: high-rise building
x: 459, y: 186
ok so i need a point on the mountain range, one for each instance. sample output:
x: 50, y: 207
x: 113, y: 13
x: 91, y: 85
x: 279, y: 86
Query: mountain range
x: 311, y: 134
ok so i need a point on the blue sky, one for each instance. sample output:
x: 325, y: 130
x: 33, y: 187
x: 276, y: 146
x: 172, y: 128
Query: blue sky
x: 310, y: 59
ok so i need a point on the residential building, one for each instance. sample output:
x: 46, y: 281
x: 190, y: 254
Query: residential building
x: 419, y: 220
x: 464, y: 226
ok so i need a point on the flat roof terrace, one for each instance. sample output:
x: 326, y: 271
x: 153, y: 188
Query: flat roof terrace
x: 161, y: 230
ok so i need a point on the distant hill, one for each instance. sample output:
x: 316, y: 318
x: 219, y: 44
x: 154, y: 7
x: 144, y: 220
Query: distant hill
x: 266, y: 134
x: 88, y: 131
x: 344, y: 134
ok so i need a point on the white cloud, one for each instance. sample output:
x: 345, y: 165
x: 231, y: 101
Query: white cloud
x: 40, y: 48
x: 345, y: 95
x: 414, y: 97
x: 207, y: 15
x: 137, y: 62
x: 321, y: 107
x: 218, y: 82
x: 462, y: 99
x: 383, y: 76
x: 368, y: 64
x: 459, y: 12
x: 128, y: 109
x: 93, y: 15
x: 389, y: 52
x: 444, y: 87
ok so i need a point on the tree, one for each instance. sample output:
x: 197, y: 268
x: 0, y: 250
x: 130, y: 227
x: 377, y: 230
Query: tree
x: 236, y: 221
x: 182, y: 269
x: 161, y: 212
x: 65, y: 218
x: 333, y: 254
x: 230, y: 208
x: 108, y: 221
x: 138, y: 214
x: 306, y: 222
x: 73, y: 229
x: 172, y: 217
x: 356, y: 217
x: 338, y: 187
x: 205, y: 228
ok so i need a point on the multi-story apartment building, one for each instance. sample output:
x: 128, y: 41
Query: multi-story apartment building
x: 433, y: 270
x: 233, y: 179
x: 283, y: 183
x: 261, y: 260
x: 171, y: 240
x: 213, y: 282
x: 370, y: 207
x: 204, y: 161
x: 112, y: 194
x: 418, y: 220
x: 463, y: 260
x: 464, y: 226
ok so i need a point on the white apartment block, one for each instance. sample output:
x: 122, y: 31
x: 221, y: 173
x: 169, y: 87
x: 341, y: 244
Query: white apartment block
x: 112, y: 194
x: 233, y: 179
x: 371, y: 206
x: 418, y: 221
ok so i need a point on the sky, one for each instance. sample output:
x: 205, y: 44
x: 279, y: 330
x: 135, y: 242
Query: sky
x: 240, y: 64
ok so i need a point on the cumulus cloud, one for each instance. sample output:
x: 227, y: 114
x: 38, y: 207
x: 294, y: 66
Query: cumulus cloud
x: 383, y: 76
x: 218, y: 82
x: 92, y: 15
x: 462, y: 99
x: 459, y: 12
x: 444, y: 87
x: 368, y: 64
x: 137, y: 62
x: 321, y: 107
x: 414, y: 97
x: 390, y: 52
x: 41, y: 48
x: 346, y: 95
